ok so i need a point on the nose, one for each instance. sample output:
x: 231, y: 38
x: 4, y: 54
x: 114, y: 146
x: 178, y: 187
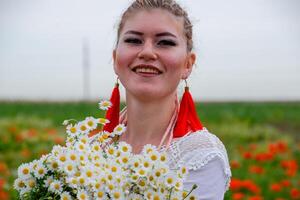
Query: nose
x: 147, y: 52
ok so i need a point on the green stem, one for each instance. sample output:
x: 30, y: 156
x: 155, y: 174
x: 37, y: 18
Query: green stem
x: 193, y: 188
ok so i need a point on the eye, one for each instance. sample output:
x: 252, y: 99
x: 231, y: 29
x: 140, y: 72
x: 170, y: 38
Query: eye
x: 167, y: 43
x: 133, y: 41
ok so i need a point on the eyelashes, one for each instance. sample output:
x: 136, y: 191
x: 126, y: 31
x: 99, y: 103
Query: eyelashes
x: 133, y: 41
x: 167, y: 43
x: 163, y: 42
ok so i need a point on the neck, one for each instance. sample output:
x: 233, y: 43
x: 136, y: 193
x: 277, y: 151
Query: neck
x: 147, y: 121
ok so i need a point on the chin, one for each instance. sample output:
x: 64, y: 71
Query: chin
x: 149, y: 94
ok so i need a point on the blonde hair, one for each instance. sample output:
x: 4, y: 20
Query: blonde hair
x: 168, y: 5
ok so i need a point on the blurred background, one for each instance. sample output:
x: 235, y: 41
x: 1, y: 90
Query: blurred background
x: 56, y: 64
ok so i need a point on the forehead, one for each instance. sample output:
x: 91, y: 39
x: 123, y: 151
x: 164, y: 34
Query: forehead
x: 154, y: 21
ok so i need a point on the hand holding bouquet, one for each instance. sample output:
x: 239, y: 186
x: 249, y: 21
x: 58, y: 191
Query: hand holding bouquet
x: 100, y: 167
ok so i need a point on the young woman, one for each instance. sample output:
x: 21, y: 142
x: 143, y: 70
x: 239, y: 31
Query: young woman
x: 152, y: 55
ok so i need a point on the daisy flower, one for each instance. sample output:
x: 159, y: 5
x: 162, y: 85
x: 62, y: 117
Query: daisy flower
x: 142, y: 183
x: 170, y: 180
x: 56, y: 150
x: 148, y: 148
x: 157, y: 196
x: 153, y: 156
x: 56, y: 187
x: 105, y: 105
x: 141, y: 172
x: 72, y: 156
x: 134, y: 177
x: 110, y: 186
x: 96, y: 148
x: 70, y: 142
x: 135, y: 162
x: 84, y: 139
x: 40, y: 170
x: 102, y: 121
x: 48, y: 181
x: 163, y: 157
x: 19, y: 184
x: 62, y: 157
x: 124, y: 159
x: 82, y: 180
x: 30, y: 183
x: 182, y: 172
x: 81, y: 147
x: 147, y: 164
x: 72, y: 130
x: 99, y: 194
x: 157, y: 173
x: 119, y: 129
x: 70, y: 168
x: 114, y: 169
x: 97, y: 184
x: 117, y: 194
x: 125, y: 147
x: 24, y: 171
x: 178, y: 185
x: 91, y: 123
x: 65, y: 196
x: 88, y: 172
x: 72, y: 181
x: 111, y: 150
x: 82, y: 127
x: 52, y: 164
x: 82, y: 195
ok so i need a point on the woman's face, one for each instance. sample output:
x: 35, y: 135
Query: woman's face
x: 151, y: 56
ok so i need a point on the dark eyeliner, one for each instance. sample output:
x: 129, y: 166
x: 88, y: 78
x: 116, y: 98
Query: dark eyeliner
x: 133, y: 41
x: 167, y: 43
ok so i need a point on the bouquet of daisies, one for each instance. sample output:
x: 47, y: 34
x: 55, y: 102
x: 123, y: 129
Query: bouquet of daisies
x: 100, y: 167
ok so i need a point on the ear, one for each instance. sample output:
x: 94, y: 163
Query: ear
x: 114, y: 54
x: 191, y: 58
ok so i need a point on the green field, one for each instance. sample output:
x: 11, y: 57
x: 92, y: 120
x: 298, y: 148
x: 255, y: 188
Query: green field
x: 29, y: 129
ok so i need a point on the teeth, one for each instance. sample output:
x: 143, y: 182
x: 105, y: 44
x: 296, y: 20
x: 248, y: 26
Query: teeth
x: 146, y: 70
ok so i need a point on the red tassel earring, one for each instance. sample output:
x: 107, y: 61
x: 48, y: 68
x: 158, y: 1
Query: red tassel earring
x: 112, y: 113
x: 187, y: 119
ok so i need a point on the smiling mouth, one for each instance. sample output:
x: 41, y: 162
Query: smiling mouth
x: 146, y: 69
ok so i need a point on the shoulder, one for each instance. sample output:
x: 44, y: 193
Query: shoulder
x: 198, y: 149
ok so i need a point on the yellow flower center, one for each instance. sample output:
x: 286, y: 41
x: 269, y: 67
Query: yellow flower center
x: 21, y: 184
x: 73, y: 130
x: 25, y: 171
x: 90, y: 123
x: 41, y: 171
x: 125, y: 160
x: 117, y: 195
x: 100, y: 194
x: 70, y: 168
x: 89, y: 174
x: 153, y: 157
x: 73, y: 157
x: 56, y: 186
x: 62, y: 158
x: 169, y: 180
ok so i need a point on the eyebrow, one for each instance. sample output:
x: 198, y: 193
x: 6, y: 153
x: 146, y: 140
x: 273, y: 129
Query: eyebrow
x: 157, y: 35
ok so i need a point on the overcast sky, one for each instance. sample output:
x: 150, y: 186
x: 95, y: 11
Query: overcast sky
x: 246, y: 50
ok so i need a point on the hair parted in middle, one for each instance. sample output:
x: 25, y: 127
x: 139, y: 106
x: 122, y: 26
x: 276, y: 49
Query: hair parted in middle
x: 169, y: 5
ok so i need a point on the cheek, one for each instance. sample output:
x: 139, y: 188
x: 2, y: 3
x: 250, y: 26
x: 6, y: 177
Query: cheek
x: 124, y: 57
x: 175, y: 63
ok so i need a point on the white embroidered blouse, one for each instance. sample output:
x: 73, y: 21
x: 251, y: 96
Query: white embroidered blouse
x: 206, y: 158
